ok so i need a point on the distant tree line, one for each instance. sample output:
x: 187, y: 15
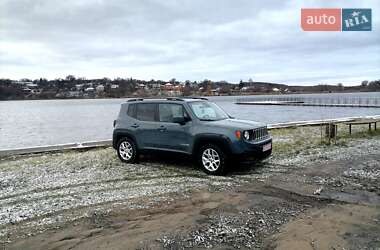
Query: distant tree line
x: 70, y: 86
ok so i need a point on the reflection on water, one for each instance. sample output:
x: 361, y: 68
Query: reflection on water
x: 45, y: 122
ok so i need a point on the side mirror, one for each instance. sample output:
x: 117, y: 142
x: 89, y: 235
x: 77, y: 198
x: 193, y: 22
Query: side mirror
x: 181, y: 120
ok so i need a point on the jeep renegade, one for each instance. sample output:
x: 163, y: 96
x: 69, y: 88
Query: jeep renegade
x: 192, y: 126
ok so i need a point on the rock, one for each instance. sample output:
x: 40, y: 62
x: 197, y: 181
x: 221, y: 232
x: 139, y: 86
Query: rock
x: 318, y: 191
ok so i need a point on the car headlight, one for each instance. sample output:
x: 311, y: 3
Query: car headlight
x: 246, y: 135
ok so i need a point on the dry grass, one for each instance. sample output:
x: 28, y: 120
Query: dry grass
x: 290, y: 141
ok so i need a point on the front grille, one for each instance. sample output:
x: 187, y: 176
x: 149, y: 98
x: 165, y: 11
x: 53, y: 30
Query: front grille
x: 259, y: 134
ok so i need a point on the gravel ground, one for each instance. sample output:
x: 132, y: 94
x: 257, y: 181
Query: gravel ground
x: 245, y: 229
x: 336, y: 173
x: 49, y: 189
x: 39, y: 192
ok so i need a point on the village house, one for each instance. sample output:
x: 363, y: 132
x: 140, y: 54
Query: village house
x: 100, y: 88
x: 170, y: 89
x: 89, y: 89
x: 155, y: 86
x: 79, y: 87
x: 142, y: 86
x: 31, y: 88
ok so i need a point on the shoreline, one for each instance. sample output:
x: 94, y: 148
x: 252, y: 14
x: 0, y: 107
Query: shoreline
x: 107, y: 143
x: 240, y: 95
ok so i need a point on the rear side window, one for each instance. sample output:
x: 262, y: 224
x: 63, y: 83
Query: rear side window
x: 146, y: 111
x: 131, y: 110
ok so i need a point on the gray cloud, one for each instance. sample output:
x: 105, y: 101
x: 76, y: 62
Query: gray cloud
x: 188, y: 39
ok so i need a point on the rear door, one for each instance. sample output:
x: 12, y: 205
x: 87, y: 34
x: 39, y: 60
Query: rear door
x: 147, y: 125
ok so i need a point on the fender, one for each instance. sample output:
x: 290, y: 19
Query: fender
x: 119, y: 133
x: 219, y: 139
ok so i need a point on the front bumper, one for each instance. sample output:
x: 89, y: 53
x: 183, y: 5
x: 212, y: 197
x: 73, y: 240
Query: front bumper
x: 253, y: 151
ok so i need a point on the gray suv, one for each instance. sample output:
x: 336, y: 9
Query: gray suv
x: 192, y: 126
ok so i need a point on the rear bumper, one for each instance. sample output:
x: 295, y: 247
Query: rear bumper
x: 114, y: 139
x: 254, y: 152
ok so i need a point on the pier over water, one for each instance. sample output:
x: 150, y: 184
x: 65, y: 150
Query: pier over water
x: 331, y: 101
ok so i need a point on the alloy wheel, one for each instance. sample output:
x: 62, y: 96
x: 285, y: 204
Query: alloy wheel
x: 211, y: 159
x: 126, y: 150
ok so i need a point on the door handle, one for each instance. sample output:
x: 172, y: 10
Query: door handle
x: 162, y: 128
x: 135, y: 125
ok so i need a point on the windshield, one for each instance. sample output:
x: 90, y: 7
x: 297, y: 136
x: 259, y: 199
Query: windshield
x: 208, y: 111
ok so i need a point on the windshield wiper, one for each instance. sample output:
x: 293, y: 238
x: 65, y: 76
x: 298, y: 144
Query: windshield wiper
x: 212, y: 120
x: 208, y: 120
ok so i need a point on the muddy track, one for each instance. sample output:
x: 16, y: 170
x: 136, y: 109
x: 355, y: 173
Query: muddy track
x: 292, y: 196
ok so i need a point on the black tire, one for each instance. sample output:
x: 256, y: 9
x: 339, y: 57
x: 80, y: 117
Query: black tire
x: 207, y: 166
x: 124, y: 155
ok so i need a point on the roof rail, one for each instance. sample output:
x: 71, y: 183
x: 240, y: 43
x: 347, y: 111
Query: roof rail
x: 135, y: 99
x: 198, y: 97
x: 174, y: 99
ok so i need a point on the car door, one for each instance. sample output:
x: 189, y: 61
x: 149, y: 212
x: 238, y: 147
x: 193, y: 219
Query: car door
x: 147, y: 125
x: 174, y: 136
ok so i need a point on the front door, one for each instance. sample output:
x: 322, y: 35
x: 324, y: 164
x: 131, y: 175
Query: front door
x: 174, y: 136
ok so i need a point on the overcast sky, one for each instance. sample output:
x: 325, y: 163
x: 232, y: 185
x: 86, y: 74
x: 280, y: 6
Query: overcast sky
x: 188, y: 39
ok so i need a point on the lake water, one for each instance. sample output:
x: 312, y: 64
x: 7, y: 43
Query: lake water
x: 47, y: 122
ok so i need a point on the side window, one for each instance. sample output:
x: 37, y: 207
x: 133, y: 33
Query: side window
x: 131, y: 110
x: 168, y: 111
x: 146, y: 111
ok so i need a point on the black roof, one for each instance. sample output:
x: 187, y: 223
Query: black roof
x: 168, y: 99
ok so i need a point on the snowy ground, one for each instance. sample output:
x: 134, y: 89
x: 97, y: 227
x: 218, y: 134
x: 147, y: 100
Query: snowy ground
x: 38, y: 192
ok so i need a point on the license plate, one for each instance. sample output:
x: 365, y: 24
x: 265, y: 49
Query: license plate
x: 266, y: 147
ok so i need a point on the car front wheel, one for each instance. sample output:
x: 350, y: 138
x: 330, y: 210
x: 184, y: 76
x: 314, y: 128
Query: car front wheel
x: 126, y: 150
x: 212, y: 160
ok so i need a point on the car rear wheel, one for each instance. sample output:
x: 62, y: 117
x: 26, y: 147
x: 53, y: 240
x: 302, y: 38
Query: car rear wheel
x: 127, y: 150
x: 212, y: 160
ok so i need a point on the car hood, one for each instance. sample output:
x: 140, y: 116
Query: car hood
x: 237, y: 124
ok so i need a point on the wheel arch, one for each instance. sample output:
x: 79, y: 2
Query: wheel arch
x: 118, y: 134
x: 221, y: 141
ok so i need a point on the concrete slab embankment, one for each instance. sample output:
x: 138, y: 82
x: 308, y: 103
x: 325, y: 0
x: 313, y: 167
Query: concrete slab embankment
x: 106, y: 143
x: 58, y: 147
